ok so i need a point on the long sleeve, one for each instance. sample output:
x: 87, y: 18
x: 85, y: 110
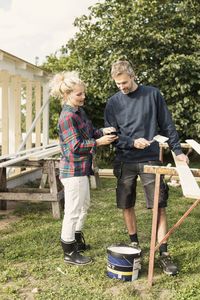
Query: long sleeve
x: 123, y: 142
x: 72, y: 138
x: 167, y: 126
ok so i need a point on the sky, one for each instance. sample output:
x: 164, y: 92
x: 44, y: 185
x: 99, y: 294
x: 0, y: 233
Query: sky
x: 37, y: 28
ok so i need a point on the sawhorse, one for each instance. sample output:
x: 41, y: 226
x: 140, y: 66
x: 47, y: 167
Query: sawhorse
x: 53, y: 194
x: 164, y: 171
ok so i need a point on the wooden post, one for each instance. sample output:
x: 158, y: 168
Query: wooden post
x: 37, y: 110
x: 17, y: 103
x: 161, y: 154
x: 154, y: 229
x: 45, y: 117
x: 4, y: 78
x: 28, y: 112
x: 3, y: 203
x: 11, y: 116
x: 53, y: 188
x: 43, y: 180
x: 178, y: 223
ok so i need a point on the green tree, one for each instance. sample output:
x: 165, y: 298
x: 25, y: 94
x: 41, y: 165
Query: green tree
x: 160, y: 38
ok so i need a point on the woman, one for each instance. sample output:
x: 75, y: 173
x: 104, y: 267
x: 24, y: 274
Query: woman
x: 78, y: 141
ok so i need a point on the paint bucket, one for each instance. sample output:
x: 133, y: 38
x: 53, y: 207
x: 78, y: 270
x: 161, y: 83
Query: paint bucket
x: 123, y: 262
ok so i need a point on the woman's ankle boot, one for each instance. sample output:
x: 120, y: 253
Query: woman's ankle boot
x: 72, y: 256
x: 79, y: 237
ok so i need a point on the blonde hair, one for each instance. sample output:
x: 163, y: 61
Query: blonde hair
x: 64, y: 83
x: 121, y: 66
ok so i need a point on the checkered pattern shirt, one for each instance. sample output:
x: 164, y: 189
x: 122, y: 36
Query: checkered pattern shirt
x: 77, y: 141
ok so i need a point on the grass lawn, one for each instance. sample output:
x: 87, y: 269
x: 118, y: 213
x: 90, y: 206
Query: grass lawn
x: 31, y: 259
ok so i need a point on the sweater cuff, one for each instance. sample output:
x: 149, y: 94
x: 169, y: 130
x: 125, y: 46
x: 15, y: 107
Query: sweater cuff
x: 131, y: 143
x: 178, y: 151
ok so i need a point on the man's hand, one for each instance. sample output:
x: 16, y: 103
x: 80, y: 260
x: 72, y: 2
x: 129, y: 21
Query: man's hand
x: 141, y: 143
x: 183, y: 157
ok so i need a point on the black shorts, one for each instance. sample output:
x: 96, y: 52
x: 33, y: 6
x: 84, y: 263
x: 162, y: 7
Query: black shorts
x: 127, y: 174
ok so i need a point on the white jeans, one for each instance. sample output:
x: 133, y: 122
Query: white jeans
x: 77, y: 202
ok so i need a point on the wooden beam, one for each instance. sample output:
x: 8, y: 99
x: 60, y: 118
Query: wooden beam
x: 21, y: 65
x: 154, y: 229
x: 28, y: 111
x: 53, y: 189
x: 13, y: 155
x: 49, y: 197
x: 167, y: 170
x: 37, y: 110
x: 183, y: 145
x: 1, y: 55
x: 188, y: 183
x: 17, y: 103
x: 45, y: 115
x: 4, y: 78
x: 44, y: 153
x: 194, y: 145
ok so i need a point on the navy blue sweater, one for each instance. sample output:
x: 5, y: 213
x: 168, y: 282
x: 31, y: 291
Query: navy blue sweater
x: 139, y: 115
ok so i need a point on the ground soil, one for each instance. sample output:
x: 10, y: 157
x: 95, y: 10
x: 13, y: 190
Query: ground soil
x: 6, y: 216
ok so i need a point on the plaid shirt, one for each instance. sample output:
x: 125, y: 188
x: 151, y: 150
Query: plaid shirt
x: 77, y: 141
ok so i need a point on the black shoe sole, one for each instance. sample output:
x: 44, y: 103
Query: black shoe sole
x: 77, y: 264
x: 169, y: 273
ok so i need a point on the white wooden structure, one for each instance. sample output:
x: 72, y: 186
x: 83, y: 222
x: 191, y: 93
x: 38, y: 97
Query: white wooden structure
x: 17, y: 78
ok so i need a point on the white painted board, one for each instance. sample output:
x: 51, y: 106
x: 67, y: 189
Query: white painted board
x: 188, y: 183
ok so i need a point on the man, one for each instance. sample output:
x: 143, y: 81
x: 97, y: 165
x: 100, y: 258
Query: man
x: 136, y: 112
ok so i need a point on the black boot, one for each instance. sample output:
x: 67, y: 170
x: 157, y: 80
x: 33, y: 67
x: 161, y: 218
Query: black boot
x: 79, y: 237
x: 72, y: 256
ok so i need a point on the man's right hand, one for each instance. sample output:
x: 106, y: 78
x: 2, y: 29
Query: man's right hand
x: 141, y: 143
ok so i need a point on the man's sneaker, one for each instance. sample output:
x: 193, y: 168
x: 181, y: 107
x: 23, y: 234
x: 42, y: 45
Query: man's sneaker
x: 135, y: 245
x: 167, y: 264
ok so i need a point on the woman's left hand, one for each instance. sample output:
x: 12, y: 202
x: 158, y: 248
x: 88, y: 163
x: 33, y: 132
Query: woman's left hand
x: 108, y: 130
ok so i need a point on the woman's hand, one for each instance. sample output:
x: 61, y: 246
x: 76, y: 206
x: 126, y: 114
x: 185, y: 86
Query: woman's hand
x: 108, y: 130
x: 106, y: 139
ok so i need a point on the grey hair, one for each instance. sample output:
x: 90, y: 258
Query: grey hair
x: 121, y: 66
x: 64, y: 83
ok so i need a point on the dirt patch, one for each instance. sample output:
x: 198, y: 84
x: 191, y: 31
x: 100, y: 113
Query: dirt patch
x: 6, y: 216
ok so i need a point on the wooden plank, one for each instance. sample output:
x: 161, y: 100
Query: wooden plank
x: 167, y: 170
x: 28, y: 190
x: 28, y: 111
x: 37, y: 110
x: 4, y: 76
x: 154, y: 229
x: 39, y: 154
x: 188, y: 183
x: 12, y: 155
x: 177, y: 224
x: 53, y: 189
x: 17, y: 98
x: 183, y: 145
x: 45, y: 119
x: 194, y: 145
x: 28, y: 197
x: 44, y: 154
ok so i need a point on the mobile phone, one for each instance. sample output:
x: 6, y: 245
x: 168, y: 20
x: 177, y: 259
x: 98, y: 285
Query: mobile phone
x: 113, y: 132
